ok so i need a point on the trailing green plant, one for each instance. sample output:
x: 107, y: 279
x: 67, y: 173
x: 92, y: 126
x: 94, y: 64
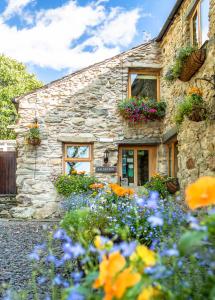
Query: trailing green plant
x: 192, y: 101
x: 142, y: 109
x: 68, y: 184
x: 175, y: 70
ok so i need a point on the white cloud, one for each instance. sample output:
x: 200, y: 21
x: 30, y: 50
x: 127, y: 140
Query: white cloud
x: 15, y: 7
x: 70, y: 36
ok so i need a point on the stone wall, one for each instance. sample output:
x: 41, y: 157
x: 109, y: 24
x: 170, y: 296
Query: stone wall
x: 81, y: 107
x: 179, y: 36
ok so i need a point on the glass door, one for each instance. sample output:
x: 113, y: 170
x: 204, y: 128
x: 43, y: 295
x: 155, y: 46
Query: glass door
x: 136, y: 165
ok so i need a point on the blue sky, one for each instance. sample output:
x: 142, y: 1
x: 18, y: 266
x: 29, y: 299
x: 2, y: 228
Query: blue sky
x: 56, y: 37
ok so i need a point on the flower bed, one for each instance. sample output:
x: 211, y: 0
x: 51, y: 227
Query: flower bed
x: 114, y: 244
x: 142, y: 110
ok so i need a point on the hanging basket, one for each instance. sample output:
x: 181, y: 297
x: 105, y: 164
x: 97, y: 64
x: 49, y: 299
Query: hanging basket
x: 198, y: 114
x: 34, y: 141
x: 172, y: 186
x: 192, y: 64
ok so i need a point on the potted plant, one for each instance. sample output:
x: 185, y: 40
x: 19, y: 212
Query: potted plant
x: 142, y: 109
x: 33, y: 135
x: 172, y: 185
x: 192, y: 107
x: 187, y: 62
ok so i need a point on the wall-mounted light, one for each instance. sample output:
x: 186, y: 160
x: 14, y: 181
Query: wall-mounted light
x: 106, y: 156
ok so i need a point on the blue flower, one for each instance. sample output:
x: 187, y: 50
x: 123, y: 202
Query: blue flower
x: 155, y: 221
x: 34, y: 256
x: 171, y: 252
x: 76, y: 276
x: 60, y: 234
x: 78, y: 250
x: 74, y: 295
x: 128, y: 248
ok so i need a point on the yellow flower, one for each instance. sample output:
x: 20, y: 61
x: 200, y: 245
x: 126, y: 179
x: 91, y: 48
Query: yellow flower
x: 148, y: 293
x: 146, y: 255
x: 74, y: 172
x: 195, y: 90
x: 201, y: 193
x: 124, y: 280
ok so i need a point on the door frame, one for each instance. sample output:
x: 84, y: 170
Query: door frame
x: 152, y: 159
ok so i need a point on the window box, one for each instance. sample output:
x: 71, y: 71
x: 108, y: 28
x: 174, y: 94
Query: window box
x: 192, y: 64
x: 142, y: 110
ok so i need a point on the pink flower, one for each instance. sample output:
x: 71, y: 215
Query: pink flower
x: 153, y: 110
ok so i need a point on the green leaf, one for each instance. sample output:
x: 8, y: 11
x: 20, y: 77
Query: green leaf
x: 190, y: 240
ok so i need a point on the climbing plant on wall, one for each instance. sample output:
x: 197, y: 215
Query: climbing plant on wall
x: 14, y: 81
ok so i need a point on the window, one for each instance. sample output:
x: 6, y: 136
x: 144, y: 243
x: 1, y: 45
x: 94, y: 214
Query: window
x: 144, y: 84
x: 199, y: 24
x: 77, y: 157
x: 172, y: 158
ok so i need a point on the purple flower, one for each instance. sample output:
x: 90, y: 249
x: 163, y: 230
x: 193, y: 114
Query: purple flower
x: 155, y: 221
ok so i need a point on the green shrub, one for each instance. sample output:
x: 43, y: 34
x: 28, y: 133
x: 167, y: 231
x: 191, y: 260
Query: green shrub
x: 157, y: 183
x: 175, y: 70
x: 68, y: 184
x: 84, y: 224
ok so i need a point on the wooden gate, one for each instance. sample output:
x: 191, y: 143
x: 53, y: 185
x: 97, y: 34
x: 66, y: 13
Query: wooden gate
x: 7, y: 173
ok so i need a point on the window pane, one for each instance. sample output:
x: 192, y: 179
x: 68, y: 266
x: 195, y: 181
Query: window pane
x: 205, y: 19
x: 195, y: 29
x: 128, y: 166
x: 143, y: 166
x: 144, y: 86
x: 78, y: 151
x: 78, y: 166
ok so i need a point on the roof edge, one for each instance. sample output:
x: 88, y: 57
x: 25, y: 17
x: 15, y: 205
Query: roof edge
x: 169, y: 20
x: 16, y: 99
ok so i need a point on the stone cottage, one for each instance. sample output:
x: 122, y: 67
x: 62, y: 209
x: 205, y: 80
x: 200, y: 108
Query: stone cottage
x: 81, y: 127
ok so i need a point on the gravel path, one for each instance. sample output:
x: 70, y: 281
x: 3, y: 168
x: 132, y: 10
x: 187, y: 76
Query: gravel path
x: 17, y: 240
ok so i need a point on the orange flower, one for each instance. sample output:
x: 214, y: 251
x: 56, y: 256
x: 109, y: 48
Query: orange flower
x: 195, y: 90
x: 81, y: 172
x: 114, y: 282
x: 33, y: 125
x: 201, y: 193
x: 121, y: 191
x: 148, y: 293
x: 108, y: 268
x: 97, y: 186
x: 124, y: 280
